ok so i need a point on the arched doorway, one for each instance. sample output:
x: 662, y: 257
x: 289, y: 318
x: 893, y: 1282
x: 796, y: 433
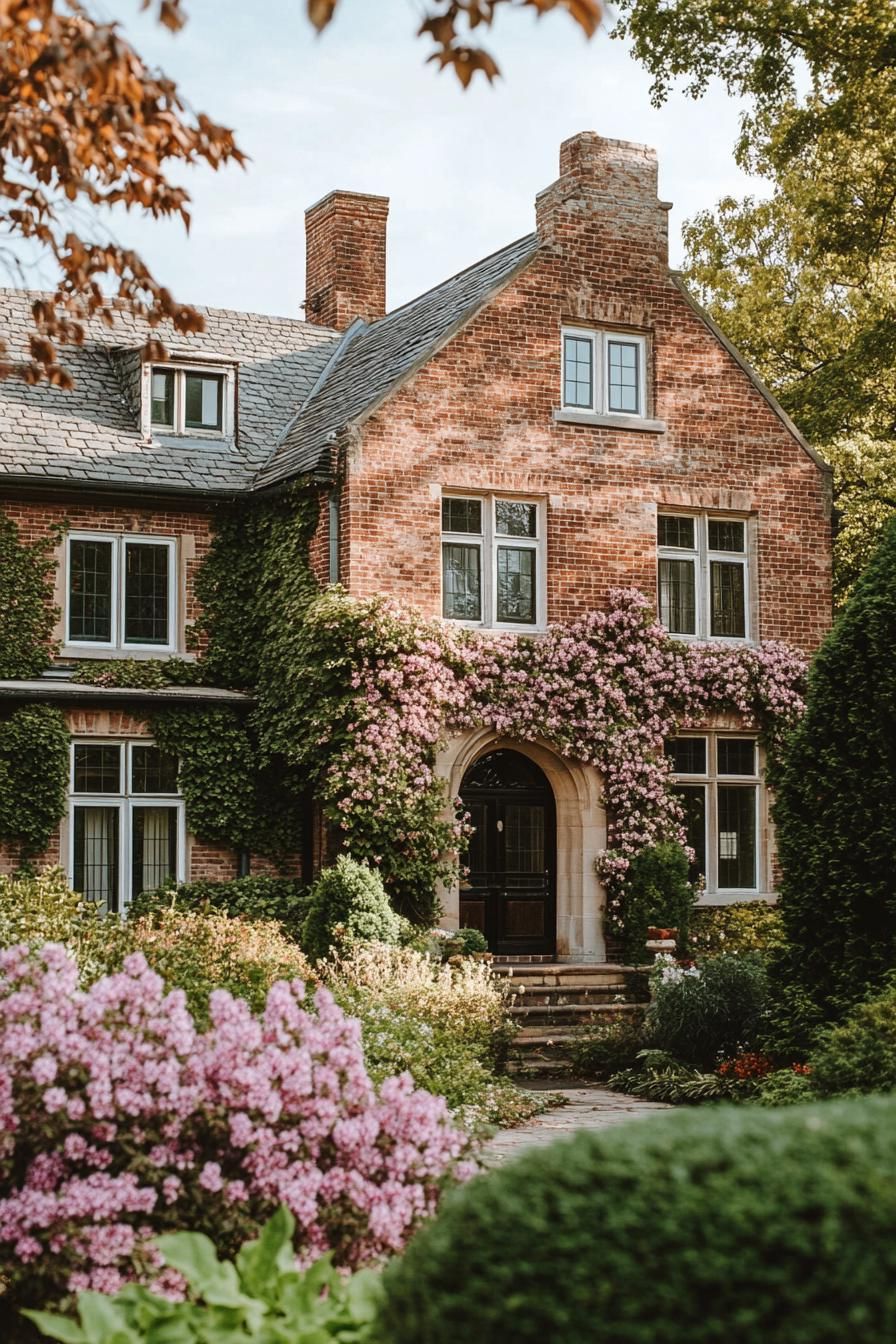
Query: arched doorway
x: 509, y: 892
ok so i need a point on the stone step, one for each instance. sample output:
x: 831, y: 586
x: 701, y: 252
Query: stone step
x: 537, y: 1028
x: 542, y: 996
x: 566, y: 1013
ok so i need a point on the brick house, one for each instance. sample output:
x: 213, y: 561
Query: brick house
x: 558, y: 420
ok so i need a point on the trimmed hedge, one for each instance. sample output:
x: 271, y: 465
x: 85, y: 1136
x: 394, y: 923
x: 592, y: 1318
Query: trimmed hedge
x: 657, y: 891
x: 742, y: 1226
x: 834, y: 815
x: 284, y: 899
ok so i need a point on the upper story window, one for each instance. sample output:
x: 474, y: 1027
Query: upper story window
x: 703, y: 575
x: 717, y: 783
x: 493, y: 561
x: 120, y: 592
x: 126, y: 821
x: 604, y: 372
x: 193, y: 401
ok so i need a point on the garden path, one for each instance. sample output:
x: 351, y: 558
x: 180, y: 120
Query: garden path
x: 587, y: 1107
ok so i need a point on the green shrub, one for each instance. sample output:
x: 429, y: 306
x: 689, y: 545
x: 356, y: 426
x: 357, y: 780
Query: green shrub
x: 734, y: 1224
x: 261, y: 1297
x: 783, y: 1087
x: 348, y: 904
x: 43, y: 908
x: 200, y: 951
x: 793, y: 1019
x: 447, y: 1025
x: 715, y: 1011
x: 281, y: 898
x: 859, y: 1055
x: 745, y: 926
x: 605, y: 1049
x: 656, y: 891
x: 834, y: 788
x: 464, y: 942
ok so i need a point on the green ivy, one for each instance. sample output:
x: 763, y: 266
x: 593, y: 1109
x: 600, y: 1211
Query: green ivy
x: 231, y: 797
x: 139, y: 674
x: 34, y: 762
x: 27, y: 614
x: 254, y: 586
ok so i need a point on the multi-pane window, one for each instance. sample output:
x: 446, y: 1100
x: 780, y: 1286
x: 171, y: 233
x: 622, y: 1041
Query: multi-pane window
x: 187, y: 400
x: 120, y: 592
x: 702, y: 575
x: 717, y: 783
x: 492, y: 561
x: 604, y: 372
x: 126, y: 821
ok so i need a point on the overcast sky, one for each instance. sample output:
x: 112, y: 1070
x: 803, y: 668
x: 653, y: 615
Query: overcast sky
x: 358, y: 108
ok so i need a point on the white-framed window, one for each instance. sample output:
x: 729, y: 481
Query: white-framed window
x: 127, y: 830
x: 493, y: 561
x: 703, y: 578
x: 718, y: 782
x: 120, y: 592
x: 604, y: 372
x: 197, y: 400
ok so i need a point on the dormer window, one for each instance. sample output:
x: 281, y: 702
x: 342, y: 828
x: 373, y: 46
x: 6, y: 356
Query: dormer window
x: 604, y: 372
x: 190, y: 401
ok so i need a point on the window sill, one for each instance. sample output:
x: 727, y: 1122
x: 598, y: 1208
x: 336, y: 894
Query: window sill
x: 77, y: 653
x: 709, y: 898
x: 635, y: 422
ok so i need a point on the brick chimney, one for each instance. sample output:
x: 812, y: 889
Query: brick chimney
x: 345, y: 259
x: 607, y: 188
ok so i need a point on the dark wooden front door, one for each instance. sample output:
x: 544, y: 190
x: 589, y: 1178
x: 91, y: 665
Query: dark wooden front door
x: 509, y: 890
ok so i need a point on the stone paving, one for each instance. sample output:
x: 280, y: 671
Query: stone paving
x: 587, y: 1107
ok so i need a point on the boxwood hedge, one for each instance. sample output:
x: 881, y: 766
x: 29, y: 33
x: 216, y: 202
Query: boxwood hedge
x: 748, y: 1227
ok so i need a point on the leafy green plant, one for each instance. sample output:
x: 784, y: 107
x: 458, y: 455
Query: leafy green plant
x: 603, y: 1050
x: 34, y: 763
x: 656, y: 891
x: 657, y: 1076
x: 783, y: 1087
x: 200, y: 952
x: 780, y: 1225
x: 27, y: 613
x: 260, y: 1298
x: 744, y: 926
x: 464, y: 942
x: 834, y: 815
x: 859, y: 1054
x: 233, y: 796
x: 447, y: 1025
x: 284, y: 899
x: 147, y: 673
x: 716, y: 1011
x: 348, y: 904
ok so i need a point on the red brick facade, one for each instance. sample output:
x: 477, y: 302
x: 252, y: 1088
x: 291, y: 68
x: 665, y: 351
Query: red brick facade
x: 480, y: 417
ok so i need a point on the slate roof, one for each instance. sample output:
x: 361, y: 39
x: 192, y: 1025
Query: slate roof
x: 375, y: 359
x: 299, y: 385
x: 92, y: 433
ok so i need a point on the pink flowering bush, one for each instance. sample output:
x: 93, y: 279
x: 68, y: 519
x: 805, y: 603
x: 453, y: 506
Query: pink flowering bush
x: 120, y: 1120
x: 374, y: 689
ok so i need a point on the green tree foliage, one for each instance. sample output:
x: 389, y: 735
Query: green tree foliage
x: 804, y: 282
x: 730, y: 1224
x: 834, y: 813
x: 34, y: 751
x: 27, y: 614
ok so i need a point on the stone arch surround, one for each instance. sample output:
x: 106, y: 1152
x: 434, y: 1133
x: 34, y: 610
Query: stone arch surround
x: 581, y: 835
